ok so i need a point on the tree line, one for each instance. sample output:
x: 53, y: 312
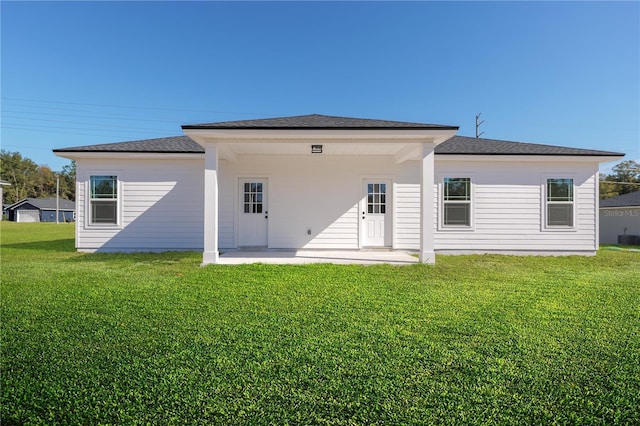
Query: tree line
x: 624, y: 179
x: 29, y: 179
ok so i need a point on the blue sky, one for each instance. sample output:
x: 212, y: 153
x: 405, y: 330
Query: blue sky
x: 80, y: 73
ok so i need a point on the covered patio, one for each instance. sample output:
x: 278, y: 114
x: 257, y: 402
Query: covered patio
x: 380, y: 150
x: 301, y: 257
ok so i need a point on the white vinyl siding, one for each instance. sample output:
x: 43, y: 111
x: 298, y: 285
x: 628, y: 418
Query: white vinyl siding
x: 315, y: 202
x: 161, y: 206
x: 407, y: 212
x: 509, y: 208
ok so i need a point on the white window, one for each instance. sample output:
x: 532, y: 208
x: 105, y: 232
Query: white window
x: 103, y: 200
x: 559, y: 203
x: 456, y: 202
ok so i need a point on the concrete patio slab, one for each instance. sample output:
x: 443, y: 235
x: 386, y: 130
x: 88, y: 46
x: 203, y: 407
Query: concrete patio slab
x: 298, y: 257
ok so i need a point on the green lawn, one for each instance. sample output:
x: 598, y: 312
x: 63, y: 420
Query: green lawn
x: 154, y: 338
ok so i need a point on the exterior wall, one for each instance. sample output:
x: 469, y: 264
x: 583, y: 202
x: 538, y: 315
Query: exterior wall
x: 407, y: 212
x: 160, y: 205
x: 616, y: 221
x: 317, y: 193
x: 508, y: 208
x: 50, y: 215
x: 27, y: 217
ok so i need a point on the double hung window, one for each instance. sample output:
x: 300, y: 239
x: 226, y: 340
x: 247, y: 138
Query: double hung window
x: 456, y: 202
x: 103, y: 200
x: 559, y: 202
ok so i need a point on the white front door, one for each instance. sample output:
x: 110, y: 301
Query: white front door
x: 252, y: 225
x: 376, y: 223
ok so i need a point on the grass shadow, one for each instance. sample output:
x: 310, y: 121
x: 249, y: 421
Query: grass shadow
x: 66, y: 245
x: 138, y: 257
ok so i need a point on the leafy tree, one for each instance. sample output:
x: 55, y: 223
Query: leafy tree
x: 624, y: 179
x: 30, y: 180
x: 68, y: 181
x: 46, y: 184
x: 22, y: 173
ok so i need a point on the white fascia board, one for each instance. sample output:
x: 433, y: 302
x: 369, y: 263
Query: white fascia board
x: 203, y: 136
x: 17, y: 203
x: 528, y: 158
x: 131, y: 155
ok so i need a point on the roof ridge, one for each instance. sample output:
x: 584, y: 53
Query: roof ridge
x: 316, y: 121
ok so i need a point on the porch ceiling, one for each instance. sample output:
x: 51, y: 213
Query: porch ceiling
x: 304, y: 148
x: 402, y: 144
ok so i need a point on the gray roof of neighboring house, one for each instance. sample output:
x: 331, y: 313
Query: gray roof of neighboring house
x: 45, y: 203
x: 455, y: 146
x: 317, y: 121
x: 632, y: 199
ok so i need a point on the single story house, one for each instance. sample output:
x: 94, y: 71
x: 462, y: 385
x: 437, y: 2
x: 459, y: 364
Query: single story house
x: 4, y: 210
x: 620, y: 219
x: 324, y: 182
x: 3, y: 183
x: 41, y: 210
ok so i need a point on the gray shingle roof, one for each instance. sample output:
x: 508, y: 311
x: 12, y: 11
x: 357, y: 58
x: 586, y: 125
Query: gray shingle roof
x: 46, y: 203
x: 317, y: 121
x: 478, y: 146
x: 624, y: 200
x: 457, y: 145
x: 169, y: 145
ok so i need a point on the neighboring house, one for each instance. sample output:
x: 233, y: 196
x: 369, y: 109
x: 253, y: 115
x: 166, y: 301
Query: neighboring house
x: 41, y: 210
x: 3, y: 183
x: 322, y: 182
x: 620, y: 216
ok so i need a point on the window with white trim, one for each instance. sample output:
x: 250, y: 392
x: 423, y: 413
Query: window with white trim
x: 103, y: 200
x: 559, y: 202
x: 456, y: 202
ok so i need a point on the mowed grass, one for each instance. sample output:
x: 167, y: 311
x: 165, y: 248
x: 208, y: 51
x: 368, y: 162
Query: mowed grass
x: 154, y: 338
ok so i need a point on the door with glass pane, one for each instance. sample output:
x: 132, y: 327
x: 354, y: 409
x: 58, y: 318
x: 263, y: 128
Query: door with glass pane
x: 252, y: 224
x: 376, y: 213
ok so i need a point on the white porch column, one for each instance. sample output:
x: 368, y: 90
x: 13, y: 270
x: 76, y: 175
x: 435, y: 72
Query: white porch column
x: 210, y: 254
x: 427, y: 218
